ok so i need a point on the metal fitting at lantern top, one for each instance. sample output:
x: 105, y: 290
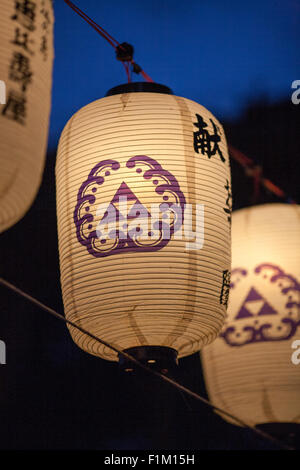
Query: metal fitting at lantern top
x: 146, y: 87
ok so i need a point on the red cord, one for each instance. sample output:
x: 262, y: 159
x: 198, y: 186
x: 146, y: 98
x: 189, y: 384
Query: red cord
x: 94, y: 25
x: 240, y: 157
x: 113, y: 42
x: 256, y: 172
x: 146, y: 76
x: 127, y: 71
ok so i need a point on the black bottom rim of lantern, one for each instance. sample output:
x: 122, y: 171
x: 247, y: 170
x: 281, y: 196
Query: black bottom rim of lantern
x: 159, y: 358
x: 287, y: 432
x: 133, y: 87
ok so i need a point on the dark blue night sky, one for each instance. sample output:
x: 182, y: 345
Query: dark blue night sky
x: 221, y: 54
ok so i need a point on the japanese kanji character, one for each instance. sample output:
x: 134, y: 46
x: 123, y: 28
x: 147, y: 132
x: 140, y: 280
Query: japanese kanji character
x: 20, y: 70
x: 225, y: 288
x: 206, y: 142
x: 228, y: 207
x: 25, y: 13
x: 15, y: 107
x: 44, y: 47
x: 47, y: 21
x: 22, y: 40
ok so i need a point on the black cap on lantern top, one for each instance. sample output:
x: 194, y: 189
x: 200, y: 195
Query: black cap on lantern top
x: 159, y: 358
x: 132, y: 87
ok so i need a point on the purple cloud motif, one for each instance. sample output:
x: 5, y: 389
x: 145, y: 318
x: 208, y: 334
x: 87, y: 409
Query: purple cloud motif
x: 247, y: 328
x: 120, y: 228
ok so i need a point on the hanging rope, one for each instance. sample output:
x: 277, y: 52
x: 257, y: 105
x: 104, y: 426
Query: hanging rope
x: 256, y: 172
x: 163, y: 377
x: 123, y: 52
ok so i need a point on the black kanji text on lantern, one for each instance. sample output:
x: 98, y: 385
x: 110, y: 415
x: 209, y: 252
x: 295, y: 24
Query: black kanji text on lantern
x: 15, y: 107
x: 228, y: 208
x: 206, y: 143
x: 225, y: 288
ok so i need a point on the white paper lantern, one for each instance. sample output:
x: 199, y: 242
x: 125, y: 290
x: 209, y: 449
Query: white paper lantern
x: 249, y: 369
x: 26, y: 56
x: 152, y: 148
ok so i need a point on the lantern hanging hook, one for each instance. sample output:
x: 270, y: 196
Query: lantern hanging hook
x: 124, y: 53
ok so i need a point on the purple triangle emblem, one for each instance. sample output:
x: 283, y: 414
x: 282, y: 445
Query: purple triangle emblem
x: 253, y: 295
x: 124, y: 191
x: 136, y: 210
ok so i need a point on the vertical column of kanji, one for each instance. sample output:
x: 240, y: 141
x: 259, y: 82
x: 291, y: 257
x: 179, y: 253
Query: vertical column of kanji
x: 26, y: 56
x: 213, y: 191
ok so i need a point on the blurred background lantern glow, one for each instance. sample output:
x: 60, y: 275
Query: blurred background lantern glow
x: 26, y: 56
x: 248, y: 369
x: 152, y: 147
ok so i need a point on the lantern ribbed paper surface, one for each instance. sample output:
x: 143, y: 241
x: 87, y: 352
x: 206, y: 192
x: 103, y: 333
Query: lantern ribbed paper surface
x: 249, y: 369
x: 26, y: 56
x: 153, y: 149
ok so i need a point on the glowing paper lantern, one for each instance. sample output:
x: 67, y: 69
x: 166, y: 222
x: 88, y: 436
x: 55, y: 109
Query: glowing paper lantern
x: 248, y: 369
x: 26, y: 56
x: 149, y: 283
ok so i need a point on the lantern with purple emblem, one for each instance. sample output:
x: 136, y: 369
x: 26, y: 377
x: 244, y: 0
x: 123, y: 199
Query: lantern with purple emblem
x: 251, y: 369
x: 144, y: 202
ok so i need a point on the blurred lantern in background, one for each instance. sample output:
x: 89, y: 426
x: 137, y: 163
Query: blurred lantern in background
x: 26, y: 56
x: 141, y: 176
x: 249, y: 370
